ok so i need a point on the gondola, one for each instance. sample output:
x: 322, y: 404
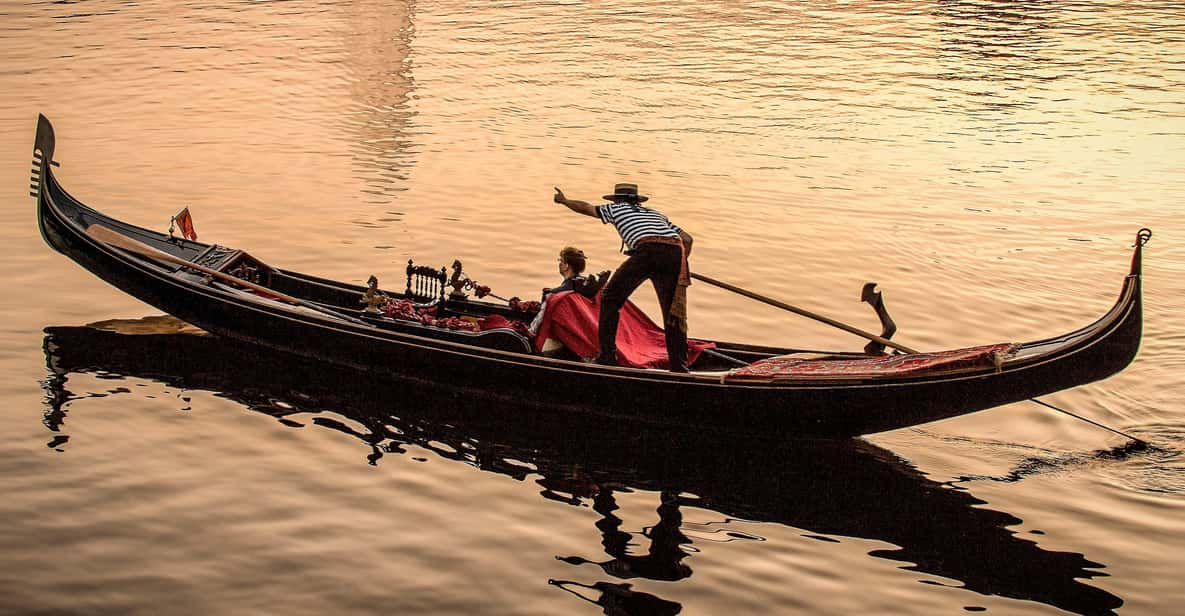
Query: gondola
x: 778, y: 392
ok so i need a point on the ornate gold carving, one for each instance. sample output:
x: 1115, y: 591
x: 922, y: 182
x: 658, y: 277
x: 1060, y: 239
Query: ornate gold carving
x: 458, y: 282
x: 373, y: 298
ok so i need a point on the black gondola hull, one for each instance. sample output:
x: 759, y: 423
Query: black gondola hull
x: 788, y: 408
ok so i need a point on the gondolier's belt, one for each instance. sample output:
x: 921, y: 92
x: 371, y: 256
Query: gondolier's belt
x: 679, y: 305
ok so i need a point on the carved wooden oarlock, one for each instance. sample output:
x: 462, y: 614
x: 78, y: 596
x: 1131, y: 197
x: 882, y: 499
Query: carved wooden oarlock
x: 888, y: 327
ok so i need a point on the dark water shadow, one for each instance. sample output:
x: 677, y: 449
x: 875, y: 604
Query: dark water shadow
x: 830, y: 489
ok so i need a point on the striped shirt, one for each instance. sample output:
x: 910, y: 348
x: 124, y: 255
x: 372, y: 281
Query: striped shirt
x: 635, y: 222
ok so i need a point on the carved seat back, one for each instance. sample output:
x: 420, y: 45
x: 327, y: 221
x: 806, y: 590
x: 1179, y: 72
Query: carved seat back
x: 425, y: 285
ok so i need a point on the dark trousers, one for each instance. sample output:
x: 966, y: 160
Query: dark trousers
x: 661, y: 264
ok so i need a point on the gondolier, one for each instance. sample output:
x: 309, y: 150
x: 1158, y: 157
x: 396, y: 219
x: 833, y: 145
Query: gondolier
x: 658, y: 251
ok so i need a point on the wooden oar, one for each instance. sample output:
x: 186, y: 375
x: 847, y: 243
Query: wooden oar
x: 123, y: 242
x: 803, y: 312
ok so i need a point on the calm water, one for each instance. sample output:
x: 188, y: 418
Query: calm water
x: 988, y: 163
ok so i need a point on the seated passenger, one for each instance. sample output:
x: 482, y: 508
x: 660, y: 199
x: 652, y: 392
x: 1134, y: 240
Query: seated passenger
x: 571, y: 265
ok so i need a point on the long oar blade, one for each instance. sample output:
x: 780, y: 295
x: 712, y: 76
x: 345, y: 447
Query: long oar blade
x: 801, y: 311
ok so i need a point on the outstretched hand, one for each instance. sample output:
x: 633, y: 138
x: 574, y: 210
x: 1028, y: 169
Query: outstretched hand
x: 575, y: 205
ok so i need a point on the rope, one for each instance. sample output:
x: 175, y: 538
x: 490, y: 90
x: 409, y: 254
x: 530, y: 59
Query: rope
x: 1138, y: 442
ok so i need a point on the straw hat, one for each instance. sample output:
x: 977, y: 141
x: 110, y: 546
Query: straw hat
x: 626, y: 192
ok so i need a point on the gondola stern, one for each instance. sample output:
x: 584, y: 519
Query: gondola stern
x: 1135, y: 317
x: 1120, y: 331
x: 1142, y: 237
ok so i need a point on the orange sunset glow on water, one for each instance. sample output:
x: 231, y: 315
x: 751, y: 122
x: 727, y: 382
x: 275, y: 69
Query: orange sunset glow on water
x: 987, y: 163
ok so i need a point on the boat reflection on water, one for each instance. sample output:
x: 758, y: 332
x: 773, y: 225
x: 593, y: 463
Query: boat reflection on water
x: 847, y: 488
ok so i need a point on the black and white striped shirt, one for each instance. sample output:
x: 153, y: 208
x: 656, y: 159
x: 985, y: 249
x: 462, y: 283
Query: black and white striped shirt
x: 635, y: 222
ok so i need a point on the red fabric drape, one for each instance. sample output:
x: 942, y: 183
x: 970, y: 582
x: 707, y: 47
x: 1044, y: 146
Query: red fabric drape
x: 571, y: 318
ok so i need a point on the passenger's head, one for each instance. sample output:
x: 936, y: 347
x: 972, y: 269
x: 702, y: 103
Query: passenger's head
x: 572, y: 261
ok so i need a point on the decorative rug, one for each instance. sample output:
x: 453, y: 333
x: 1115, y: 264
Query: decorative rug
x: 913, y: 364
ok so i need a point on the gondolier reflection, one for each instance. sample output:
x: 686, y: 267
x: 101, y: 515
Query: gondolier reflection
x: 658, y: 251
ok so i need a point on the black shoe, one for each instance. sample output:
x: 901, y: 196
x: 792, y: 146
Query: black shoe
x: 606, y: 359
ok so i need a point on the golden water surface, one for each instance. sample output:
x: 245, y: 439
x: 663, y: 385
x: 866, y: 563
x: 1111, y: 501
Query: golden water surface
x: 987, y: 163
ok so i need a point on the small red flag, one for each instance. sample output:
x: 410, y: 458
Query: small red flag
x: 185, y: 223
